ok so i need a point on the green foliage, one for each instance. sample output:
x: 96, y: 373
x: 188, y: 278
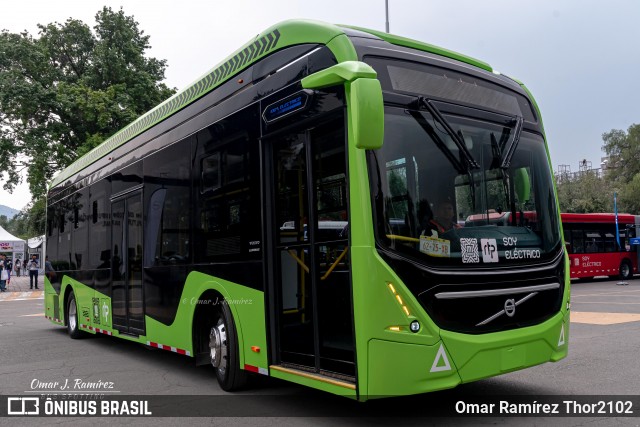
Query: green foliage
x: 66, y: 91
x: 398, y: 202
x: 585, y: 193
x: 30, y: 221
x: 623, y: 149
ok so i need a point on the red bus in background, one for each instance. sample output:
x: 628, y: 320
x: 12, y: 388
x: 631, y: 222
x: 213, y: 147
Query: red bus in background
x: 593, y: 248
x: 590, y: 240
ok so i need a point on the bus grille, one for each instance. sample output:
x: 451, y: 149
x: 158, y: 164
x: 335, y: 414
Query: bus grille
x: 489, y: 307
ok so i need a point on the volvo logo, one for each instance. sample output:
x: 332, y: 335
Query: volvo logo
x: 509, y: 308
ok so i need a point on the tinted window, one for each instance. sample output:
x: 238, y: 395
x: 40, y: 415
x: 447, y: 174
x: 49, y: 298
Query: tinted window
x: 167, y: 195
x: 52, y: 232
x: 228, y: 214
x: 99, y: 226
x: 65, y: 227
x: 80, y: 212
x: 129, y: 177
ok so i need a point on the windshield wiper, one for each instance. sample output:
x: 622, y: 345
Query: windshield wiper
x: 457, y: 137
x: 497, y: 148
x: 424, y: 124
x: 506, y: 161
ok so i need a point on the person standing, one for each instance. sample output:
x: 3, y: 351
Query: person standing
x: 33, y: 271
x: 18, y: 267
x: 8, y: 265
x: 4, y: 275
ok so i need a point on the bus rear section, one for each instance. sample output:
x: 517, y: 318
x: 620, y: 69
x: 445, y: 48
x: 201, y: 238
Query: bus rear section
x: 598, y: 247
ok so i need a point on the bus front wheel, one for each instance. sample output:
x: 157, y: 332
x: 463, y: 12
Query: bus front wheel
x: 625, y: 270
x: 224, y: 351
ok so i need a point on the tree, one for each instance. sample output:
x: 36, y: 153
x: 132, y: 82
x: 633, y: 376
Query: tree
x: 30, y: 221
x: 585, y: 193
x: 623, y: 168
x: 66, y: 91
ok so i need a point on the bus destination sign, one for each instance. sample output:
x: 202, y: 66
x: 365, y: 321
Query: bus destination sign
x: 284, y: 107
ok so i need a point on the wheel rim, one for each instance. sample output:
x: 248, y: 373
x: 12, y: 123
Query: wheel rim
x: 218, y: 347
x: 624, y: 270
x: 73, y: 322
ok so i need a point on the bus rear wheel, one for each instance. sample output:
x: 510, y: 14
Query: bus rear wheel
x: 625, y: 270
x: 224, y: 351
x: 73, y: 326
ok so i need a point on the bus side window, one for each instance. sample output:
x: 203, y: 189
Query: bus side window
x: 593, y: 242
x: 567, y: 241
x: 578, y: 241
x: 610, y: 244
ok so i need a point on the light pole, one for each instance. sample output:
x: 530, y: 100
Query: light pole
x: 386, y: 11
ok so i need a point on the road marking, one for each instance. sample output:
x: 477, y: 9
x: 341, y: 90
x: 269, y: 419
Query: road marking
x: 607, y: 302
x: 597, y: 318
x: 606, y: 293
x: 21, y: 296
x: 32, y: 315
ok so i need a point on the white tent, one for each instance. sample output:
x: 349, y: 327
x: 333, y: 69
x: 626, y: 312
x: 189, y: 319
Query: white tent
x: 10, y: 244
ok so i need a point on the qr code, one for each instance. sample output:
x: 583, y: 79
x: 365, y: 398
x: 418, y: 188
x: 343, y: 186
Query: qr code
x: 469, y: 250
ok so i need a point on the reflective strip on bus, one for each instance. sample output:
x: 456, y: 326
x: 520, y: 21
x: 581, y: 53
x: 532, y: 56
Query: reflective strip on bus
x: 168, y: 348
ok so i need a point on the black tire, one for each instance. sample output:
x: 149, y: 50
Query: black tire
x: 625, y: 270
x: 71, y: 314
x: 224, y: 351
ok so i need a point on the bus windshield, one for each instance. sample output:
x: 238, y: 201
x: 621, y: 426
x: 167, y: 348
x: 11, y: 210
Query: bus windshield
x: 447, y: 206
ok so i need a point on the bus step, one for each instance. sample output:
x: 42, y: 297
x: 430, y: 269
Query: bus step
x: 324, y: 376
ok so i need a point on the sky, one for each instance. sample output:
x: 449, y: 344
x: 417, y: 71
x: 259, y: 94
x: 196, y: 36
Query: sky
x: 580, y: 59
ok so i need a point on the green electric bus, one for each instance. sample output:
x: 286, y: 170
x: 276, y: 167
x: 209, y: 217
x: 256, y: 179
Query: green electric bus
x: 317, y: 208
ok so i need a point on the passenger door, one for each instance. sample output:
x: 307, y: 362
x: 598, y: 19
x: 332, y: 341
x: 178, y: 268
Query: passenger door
x: 127, y: 297
x: 311, y: 284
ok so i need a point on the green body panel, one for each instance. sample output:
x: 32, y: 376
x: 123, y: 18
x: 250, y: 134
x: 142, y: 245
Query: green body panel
x: 368, y: 117
x: 347, y: 71
x: 364, y: 98
x: 246, y: 304
x: 342, y: 48
x: 399, y: 369
x: 425, y: 47
x: 486, y: 355
x: 49, y: 309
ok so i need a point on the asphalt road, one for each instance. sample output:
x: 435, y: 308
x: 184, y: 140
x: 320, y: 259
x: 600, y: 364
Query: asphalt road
x: 603, y: 360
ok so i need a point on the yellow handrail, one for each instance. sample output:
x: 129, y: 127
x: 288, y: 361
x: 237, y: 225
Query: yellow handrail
x: 298, y: 260
x: 403, y: 238
x: 335, y: 263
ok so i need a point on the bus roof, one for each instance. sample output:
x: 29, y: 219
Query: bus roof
x: 596, y: 218
x: 284, y: 34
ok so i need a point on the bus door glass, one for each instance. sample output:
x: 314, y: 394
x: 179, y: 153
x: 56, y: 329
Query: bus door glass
x: 312, y: 264
x: 126, y: 264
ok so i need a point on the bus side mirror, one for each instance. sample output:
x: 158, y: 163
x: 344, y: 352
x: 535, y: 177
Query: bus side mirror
x: 364, y: 100
x: 522, y: 185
